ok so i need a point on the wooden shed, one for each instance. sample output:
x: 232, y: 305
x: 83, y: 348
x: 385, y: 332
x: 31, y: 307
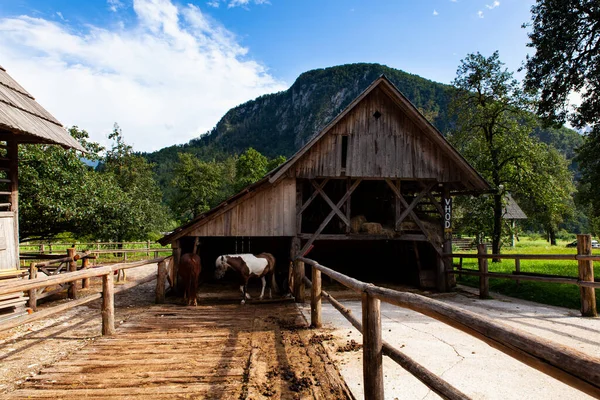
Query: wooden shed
x: 371, y: 193
x: 22, y: 120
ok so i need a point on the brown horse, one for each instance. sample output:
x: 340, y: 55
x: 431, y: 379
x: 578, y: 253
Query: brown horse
x: 248, y: 265
x: 189, y: 271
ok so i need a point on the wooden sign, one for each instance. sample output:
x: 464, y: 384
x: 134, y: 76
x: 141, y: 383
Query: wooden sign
x: 448, y: 215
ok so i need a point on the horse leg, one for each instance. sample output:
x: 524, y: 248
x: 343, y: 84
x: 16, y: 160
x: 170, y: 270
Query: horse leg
x: 262, y: 292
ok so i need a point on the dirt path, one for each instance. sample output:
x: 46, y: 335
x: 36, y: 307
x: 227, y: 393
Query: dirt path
x: 220, y: 351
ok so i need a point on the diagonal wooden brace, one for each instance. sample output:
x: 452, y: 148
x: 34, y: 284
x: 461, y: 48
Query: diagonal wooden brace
x: 328, y: 218
x: 335, y: 208
x: 312, y: 196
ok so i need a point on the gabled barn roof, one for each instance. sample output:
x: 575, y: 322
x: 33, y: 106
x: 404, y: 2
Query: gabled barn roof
x: 475, y: 181
x: 512, y: 209
x: 22, y: 115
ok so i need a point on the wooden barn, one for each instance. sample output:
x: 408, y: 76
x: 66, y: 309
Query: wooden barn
x: 22, y: 120
x: 370, y: 195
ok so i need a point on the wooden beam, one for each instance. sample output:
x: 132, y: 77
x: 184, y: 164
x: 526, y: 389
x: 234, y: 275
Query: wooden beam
x: 365, y: 236
x: 108, y: 305
x: 329, y: 217
x: 312, y: 196
x: 372, y: 347
x: 586, y: 273
x: 333, y: 206
x: 315, y: 299
x: 13, y: 175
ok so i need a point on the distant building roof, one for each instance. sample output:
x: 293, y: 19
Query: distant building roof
x: 512, y: 209
x: 23, y: 116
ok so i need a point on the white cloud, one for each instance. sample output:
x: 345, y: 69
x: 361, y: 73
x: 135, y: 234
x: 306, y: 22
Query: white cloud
x: 435, y: 12
x: 60, y: 15
x: 114, y: 5
x: 165, y: 79
x: 454, y: 1
x: 236, y: 3
x: 480, y: 14
x: 494, y: 5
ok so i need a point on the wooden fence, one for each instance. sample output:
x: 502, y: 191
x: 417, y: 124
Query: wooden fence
x: 107, y: 294
x: 570, y: 366
x: 584, y: 259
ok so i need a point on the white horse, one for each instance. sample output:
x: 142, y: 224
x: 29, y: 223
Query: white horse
x: 248, y: 265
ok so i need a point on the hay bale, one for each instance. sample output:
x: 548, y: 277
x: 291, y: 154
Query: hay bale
x: 389, y: 232
x: 372, y: 228
x: 356, y: 223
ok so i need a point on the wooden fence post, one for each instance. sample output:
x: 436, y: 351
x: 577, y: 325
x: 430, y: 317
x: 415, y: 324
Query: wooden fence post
x: 148, y: 247
x: 160, y: 282
x: 85, y: 264
x: 315, y: 299
x: 33, y: 292
x: 299, y: 281
x: 586, y: 274
x: 484, y: 281
x: 108, y: 304
x: 518, y: 268
x: 72, y: 291
x: 372, y: 348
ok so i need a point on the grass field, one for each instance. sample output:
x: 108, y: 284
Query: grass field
x: 548, y: 293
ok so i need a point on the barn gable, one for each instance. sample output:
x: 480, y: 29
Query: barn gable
x: 386, y: 137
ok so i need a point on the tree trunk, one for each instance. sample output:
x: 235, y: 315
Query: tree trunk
x: 552, y: 235
x: 497, y: 233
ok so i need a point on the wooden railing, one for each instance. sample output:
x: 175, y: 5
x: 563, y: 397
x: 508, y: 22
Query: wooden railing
x: 585, y: 279
x: 570, y: 366
x: 107, y: 294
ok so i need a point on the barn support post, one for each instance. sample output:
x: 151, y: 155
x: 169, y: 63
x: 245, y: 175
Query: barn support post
x: 72, y: 291
x: 13, y: 176
x: 160, y: 282
x: 484, y: 281
x: 33, y: 292
x: 108, y: 304
x: 586, y: 274
x: 298, y: 271
x: 176, y: 246
x: 444, y: 279
x: 315, y: 299
x: 372, y: 348
x: 85, y: 264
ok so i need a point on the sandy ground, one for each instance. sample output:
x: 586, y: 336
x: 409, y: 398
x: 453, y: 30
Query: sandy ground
x: 27, y: 349
x: 279, y: 357
x: 472, y: 366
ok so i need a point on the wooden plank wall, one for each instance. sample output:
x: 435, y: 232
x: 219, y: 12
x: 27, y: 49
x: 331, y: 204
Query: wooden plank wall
x: 269, y: 212
x: 391, y: 146
x: 9, y: 259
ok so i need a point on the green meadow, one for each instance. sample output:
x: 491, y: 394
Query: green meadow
x: 547, y: 293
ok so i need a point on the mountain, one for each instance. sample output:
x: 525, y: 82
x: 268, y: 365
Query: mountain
x: 281, y: 123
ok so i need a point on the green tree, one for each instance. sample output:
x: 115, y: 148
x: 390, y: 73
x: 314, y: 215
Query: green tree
x: 546, y: 190
x: 199, y: 185
x: 494, y: 131
x: 135, y: 210
x: 250, y: 167
x: 565, y: 35
x: 58, y: 191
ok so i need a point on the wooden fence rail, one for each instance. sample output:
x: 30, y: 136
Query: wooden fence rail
x: 570, y: 366
x: 585, y: 279
x: 107, y: 294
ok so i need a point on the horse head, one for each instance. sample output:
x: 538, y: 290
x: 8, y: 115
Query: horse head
x: 220, y: 267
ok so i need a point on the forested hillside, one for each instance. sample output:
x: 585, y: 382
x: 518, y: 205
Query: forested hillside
x: 280, y: 123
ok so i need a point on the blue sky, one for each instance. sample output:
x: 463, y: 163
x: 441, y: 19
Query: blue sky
x: 167, y: 70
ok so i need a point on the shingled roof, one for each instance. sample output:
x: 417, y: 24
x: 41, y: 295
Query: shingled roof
x: 22, y: 115
x: 512, y: 209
